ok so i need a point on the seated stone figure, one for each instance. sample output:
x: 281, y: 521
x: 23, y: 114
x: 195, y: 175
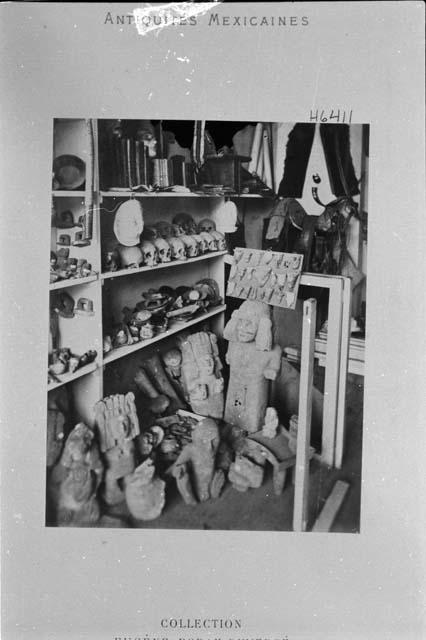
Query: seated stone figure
x: 195, y: 470
x: 75, y: 479
x: 253, y: 361
x: 201, y: 374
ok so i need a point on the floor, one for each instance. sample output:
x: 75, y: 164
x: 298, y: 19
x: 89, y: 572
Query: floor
x: 259, y: 509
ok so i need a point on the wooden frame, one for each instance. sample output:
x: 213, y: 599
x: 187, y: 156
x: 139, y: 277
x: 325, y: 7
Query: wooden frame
x: 301, y: 484
x: 336, y: 357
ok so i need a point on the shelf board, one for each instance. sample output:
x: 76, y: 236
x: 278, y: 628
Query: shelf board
x: 121, y: 352
x: 72, y: 282
x: 70, y: 377
x: 165, y: 265
x: 117, y: 193
x: 68, y: 194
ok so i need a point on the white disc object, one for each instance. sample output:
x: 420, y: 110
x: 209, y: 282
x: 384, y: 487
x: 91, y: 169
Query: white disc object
x: 128, y: 223
x: 226, y: 217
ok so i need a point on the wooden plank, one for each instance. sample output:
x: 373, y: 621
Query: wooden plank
x: 301, y: 490
x: 332, y: 370
x: 343, y: 373
x: 329, y: 511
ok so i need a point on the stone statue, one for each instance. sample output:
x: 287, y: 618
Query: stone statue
x: 253, y: 361
x: 195, y: 470
x: 118, y: 425
x: 75, y: 480
x: 145, y: 492
x: 201, y: 374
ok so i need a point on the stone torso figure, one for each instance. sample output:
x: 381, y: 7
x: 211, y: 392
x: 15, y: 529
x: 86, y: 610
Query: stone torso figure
x: 76, y: 478
x: 195, y: 469
x: 253, y: 361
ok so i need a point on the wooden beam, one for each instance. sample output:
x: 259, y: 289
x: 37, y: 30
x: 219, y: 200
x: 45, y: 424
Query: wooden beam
x: 301, y: 490
x: 343, y: 373
x: 329, y: 511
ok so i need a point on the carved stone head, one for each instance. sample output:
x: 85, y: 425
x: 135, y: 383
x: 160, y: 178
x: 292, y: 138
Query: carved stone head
x: 206, y: 434
x: 251, y: 322
x: 177, y: 248
x: 77, y: 445
x: 149, y: 233
x: 149, y: 253
x: 202, y: 246
x: 164, y: 229
x: 186, y: 221
x: 177, y: 230
x: 191, y: 245
x: 164, y: 251
x: 209, y: 241
x: 220, y: 240
x: 206, y: 225
x: 130, y: 256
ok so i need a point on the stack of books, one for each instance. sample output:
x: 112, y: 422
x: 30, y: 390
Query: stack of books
x: 131, y: 164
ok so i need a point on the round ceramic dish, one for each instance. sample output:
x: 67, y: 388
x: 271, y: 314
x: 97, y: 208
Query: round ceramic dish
x: 69, y: 171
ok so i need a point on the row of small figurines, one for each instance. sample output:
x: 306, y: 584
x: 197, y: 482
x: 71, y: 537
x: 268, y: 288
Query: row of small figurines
x: 158, y: 308
x: 62, y: 267
x: 64, y: 361
x: 164, y: 242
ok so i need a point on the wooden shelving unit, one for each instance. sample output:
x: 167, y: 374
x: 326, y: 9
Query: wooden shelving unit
x: 111, y: 291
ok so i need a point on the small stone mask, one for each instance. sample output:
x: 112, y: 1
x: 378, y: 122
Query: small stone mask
x: 191, y: 246
x: 220, y: 240
x: 207, y: 225
x: 178, y: 248
x: 149, y: 253
x: 163, y: 250
x: 209, y: 240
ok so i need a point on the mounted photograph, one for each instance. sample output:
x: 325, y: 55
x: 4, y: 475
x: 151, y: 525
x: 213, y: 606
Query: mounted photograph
x: 207, y: 323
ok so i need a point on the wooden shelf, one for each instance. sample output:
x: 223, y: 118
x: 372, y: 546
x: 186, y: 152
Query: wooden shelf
x: 173, y: 263
x: 68, y: 194
x: 127, y: 193
x: 121, y: 352
x: 70, y: 377
x: 72, y: 282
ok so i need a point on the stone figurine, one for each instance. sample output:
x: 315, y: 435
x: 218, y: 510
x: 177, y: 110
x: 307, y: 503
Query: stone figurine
x: 154, y: 367
x: 145, y: 492
x: 118, y: 425
x: 195, y: 470
x: 75, y: 480
x: 253, y: 361
x: 201, y: 374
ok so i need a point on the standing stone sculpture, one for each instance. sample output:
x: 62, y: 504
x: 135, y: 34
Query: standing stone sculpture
x: 253, y: 361
x: 201, y: 374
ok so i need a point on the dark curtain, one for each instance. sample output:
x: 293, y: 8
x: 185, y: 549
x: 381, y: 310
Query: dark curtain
x: 336, y: 144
